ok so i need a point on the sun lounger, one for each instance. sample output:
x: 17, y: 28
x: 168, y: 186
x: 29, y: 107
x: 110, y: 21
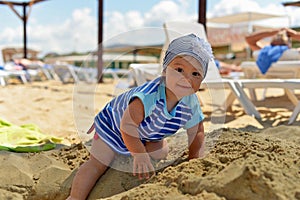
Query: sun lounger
x: 73, y: 74
x: 280, y: 69
x: 287, y: 84
x: 295, y: 114
x: 115, y: 73
x: 69, y: 73
x: 65, y: 73
x: 7, y: 74
x: 143, y: 72
x: 3, y: 76
x: 36, y: 70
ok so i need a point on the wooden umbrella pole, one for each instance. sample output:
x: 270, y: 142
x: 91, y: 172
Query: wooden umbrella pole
x: 100, y: 40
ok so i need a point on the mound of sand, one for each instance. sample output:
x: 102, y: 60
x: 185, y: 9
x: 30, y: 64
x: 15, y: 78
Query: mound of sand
x: 251, y: 161
x: 241, y: 165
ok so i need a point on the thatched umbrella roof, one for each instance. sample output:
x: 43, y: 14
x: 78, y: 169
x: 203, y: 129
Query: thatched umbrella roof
x: 11, y: 53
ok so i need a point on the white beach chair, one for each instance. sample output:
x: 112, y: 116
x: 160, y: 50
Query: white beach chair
x: 11, y: 71
x: 3, y: 77
x: 116, y: 72
x: 143, y: 72
x: 7, y: 74
x: 295, y: 113
x: 280, y: 69
x: 69, y: 73
x: 289, y: 85
x: 65, y: 73
x: 36, y: 70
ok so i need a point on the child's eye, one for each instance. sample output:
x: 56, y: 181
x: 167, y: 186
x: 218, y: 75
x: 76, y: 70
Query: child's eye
x: 179, y: 69
x: 196, y: 74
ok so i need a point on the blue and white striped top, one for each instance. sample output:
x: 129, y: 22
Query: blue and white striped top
x: 158, y: 123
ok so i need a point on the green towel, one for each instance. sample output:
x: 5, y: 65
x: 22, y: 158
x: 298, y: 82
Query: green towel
x: 25, y: 138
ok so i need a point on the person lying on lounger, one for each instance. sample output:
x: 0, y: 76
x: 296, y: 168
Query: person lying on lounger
x: 279, y: 37
x: 280, y: 47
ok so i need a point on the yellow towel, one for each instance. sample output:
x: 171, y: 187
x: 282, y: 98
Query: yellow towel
x: 25, y: 138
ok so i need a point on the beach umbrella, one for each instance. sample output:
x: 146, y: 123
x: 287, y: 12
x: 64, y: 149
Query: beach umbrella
x: 201, y: 19
x: 240, y: 17
x: 24, y: 16
x: 202, y: 13
x: 247, y: 18
x: 100, y: 40
x: 293, y: 3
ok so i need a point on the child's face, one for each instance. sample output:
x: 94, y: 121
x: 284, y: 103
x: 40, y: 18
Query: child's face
x: 183, y: 76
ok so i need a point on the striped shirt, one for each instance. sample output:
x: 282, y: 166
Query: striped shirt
x: 157, y: 124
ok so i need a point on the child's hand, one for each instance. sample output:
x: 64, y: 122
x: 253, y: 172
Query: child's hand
x: 142, y: 165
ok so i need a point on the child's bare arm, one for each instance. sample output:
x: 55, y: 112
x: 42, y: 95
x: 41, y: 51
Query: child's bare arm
x: 196, y: 140
x: 133, y: 116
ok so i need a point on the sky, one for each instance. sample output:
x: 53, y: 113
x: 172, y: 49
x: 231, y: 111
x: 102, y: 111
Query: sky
x: 65, y: 26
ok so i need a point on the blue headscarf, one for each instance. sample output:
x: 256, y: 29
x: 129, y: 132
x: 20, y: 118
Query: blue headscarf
x: 190, y: 45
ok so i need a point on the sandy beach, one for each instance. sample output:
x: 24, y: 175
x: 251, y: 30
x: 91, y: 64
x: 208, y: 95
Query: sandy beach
x: 245, y: 159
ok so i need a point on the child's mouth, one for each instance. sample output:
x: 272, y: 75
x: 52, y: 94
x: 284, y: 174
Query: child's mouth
x: 184, y: 86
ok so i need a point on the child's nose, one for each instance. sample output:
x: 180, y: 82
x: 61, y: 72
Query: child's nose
x: 188, y: 77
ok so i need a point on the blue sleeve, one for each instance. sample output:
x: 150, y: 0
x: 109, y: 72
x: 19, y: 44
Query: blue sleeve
x: 147, y: 101
x: 198, y: 115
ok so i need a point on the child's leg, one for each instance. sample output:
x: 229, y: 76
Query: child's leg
x: 89, y: 172
x: 157, y: 150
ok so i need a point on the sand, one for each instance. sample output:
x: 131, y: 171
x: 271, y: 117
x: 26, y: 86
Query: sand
x: 245, y: 159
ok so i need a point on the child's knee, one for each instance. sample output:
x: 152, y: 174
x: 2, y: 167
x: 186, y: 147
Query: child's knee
x: 160, y: 154
x: 158, y: 150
